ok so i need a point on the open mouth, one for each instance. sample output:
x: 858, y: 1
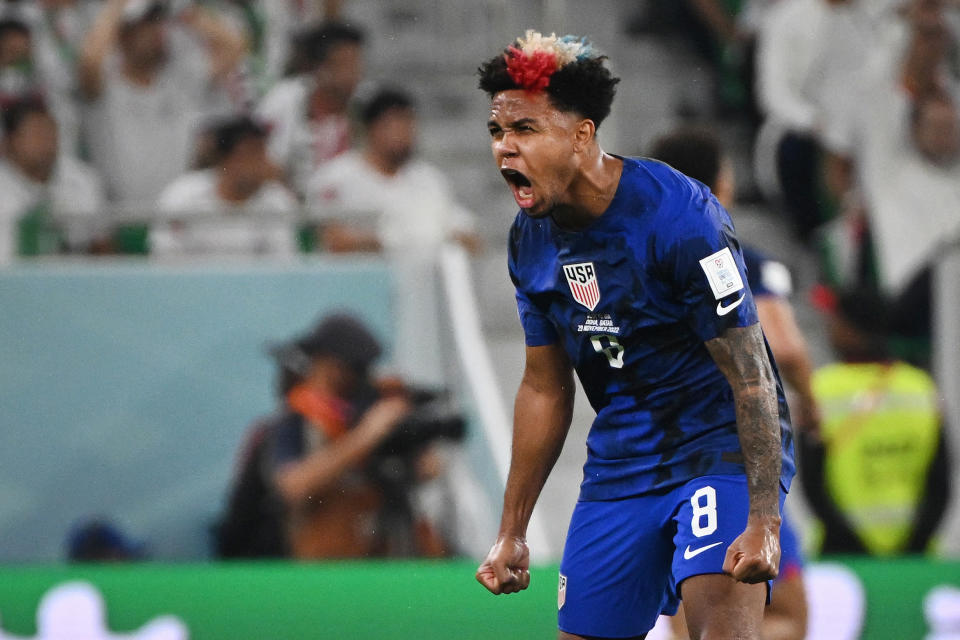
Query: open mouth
x: 520, y: 185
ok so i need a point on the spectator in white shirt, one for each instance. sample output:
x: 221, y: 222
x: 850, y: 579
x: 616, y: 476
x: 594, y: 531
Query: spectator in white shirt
x: 233, y: 208
x: 382, y: 197
x: 49, y: 198
x: 810, y: 53
x: 17, y: 75
x: 56, y: 31
x: 147, y: 87
x: 270, y: 27
x: 308, y: 111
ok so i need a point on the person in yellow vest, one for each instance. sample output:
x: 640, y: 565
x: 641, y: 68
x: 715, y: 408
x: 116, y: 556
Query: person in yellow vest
x: 878, y: 476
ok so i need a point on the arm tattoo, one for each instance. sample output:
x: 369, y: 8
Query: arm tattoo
x: 741, y: 355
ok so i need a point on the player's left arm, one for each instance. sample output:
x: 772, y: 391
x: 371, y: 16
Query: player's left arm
x: 741, y: 355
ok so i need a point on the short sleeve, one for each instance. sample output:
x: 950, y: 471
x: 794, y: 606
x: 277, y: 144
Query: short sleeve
x: 766, y: 277
x: 702, y: 257
x: 537, y: 328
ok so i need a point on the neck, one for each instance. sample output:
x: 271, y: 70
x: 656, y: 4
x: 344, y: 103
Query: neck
x: 39, y: 175
x: 232, y: 192
x: 140, y: 74
x: 590, y: 192
x: 381, y: 163
x: 323, y: 104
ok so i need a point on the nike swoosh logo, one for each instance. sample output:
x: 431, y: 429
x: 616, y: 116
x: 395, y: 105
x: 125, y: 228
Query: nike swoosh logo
x: 722, y: 310
x: 687, y: 553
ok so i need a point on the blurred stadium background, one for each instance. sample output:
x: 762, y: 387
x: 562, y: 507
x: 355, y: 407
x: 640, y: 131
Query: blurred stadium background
x: 128, y: 383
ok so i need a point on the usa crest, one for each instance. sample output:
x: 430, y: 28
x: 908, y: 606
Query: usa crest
x: 562, y: 592
x: 582, y: 278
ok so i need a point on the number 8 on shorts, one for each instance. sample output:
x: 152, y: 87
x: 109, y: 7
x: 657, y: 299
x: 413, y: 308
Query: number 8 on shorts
x: 704, y: 503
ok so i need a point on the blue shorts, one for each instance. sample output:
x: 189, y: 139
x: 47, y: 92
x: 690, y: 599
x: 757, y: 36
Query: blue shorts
x: 791, y: 555
x: 625, y: 559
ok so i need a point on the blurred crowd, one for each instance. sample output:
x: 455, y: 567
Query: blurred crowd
x: 852, y: 107
x: 181, y: 128
x: 239, y: 128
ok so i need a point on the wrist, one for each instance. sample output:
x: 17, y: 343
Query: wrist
x: 507, y: 535
x: 766, y: 520
x: 512, y: 531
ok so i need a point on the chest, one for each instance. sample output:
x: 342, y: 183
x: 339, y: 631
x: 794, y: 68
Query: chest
x: 603, y: 288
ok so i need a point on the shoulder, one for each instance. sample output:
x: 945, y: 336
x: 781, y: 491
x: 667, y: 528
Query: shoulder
x: 77, y: 171
x: 14, y: 188
x: 347, y: 163
x: 276, y: 196
x: 79, y: 181
x: 348, y: 166
x: 755, y: 260
x: 915, y: 377
x: 659, y: 186
x: 424, y: 170
x: 678, y: 205
x: 766, y: 276
x: 529, y: 245
x: 782, y: 14
x: 284, y: 95
x: 187, y: 59
x: 9, y: 177
x: 185, y: 190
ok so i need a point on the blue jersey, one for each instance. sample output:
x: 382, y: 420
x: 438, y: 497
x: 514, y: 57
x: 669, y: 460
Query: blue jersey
x: 632, y: 298
x: 765, y: 276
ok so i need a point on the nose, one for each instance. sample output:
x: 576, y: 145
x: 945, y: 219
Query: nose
x: 504, y: 146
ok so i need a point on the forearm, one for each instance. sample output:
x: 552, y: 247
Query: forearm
x: 789, y: 350
x: 98, y: 43
x: 759, y: 432
x: 741, y: 355
x: 716, y: 17
x: 541, y: 421
x: 320, y: 470
x: 342, y: 238
x: 226, y: 46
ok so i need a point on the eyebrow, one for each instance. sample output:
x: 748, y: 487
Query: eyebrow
x: 514, y: 124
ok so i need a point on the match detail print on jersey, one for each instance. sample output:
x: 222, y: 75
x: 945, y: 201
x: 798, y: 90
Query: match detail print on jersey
x: 582, y: 278
x: 722, y: 273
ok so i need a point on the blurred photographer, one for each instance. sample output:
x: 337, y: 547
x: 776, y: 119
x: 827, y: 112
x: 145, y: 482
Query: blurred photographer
x: 333, y: 473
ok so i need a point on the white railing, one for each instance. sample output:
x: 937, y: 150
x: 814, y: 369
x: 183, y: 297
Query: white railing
x: 482, y: 379
x: 946, y: 354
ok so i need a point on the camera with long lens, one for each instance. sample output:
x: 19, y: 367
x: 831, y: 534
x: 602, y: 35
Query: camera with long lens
x: 432, y: 418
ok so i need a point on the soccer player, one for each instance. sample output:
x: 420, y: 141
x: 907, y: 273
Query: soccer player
x: 630, y: 273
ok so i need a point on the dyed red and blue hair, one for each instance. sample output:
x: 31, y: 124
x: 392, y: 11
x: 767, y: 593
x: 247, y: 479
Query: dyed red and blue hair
x: 567, y: 68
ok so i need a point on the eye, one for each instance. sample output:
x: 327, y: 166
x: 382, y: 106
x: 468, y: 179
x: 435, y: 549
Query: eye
x: 495, y: 131
x: 525, y: 128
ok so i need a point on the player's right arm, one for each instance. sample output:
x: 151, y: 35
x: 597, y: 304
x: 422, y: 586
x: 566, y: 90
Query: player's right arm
x: 541, y: 419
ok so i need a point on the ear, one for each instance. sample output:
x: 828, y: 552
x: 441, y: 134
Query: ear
x: 584, y: 133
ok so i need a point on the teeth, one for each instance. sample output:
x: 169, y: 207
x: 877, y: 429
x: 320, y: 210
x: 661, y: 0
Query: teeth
x: 525, y: 192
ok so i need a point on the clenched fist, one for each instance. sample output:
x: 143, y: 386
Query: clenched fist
x: 755, y: 555
x: 506, y: 569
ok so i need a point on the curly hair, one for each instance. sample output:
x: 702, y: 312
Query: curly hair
x: 583, y: 85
